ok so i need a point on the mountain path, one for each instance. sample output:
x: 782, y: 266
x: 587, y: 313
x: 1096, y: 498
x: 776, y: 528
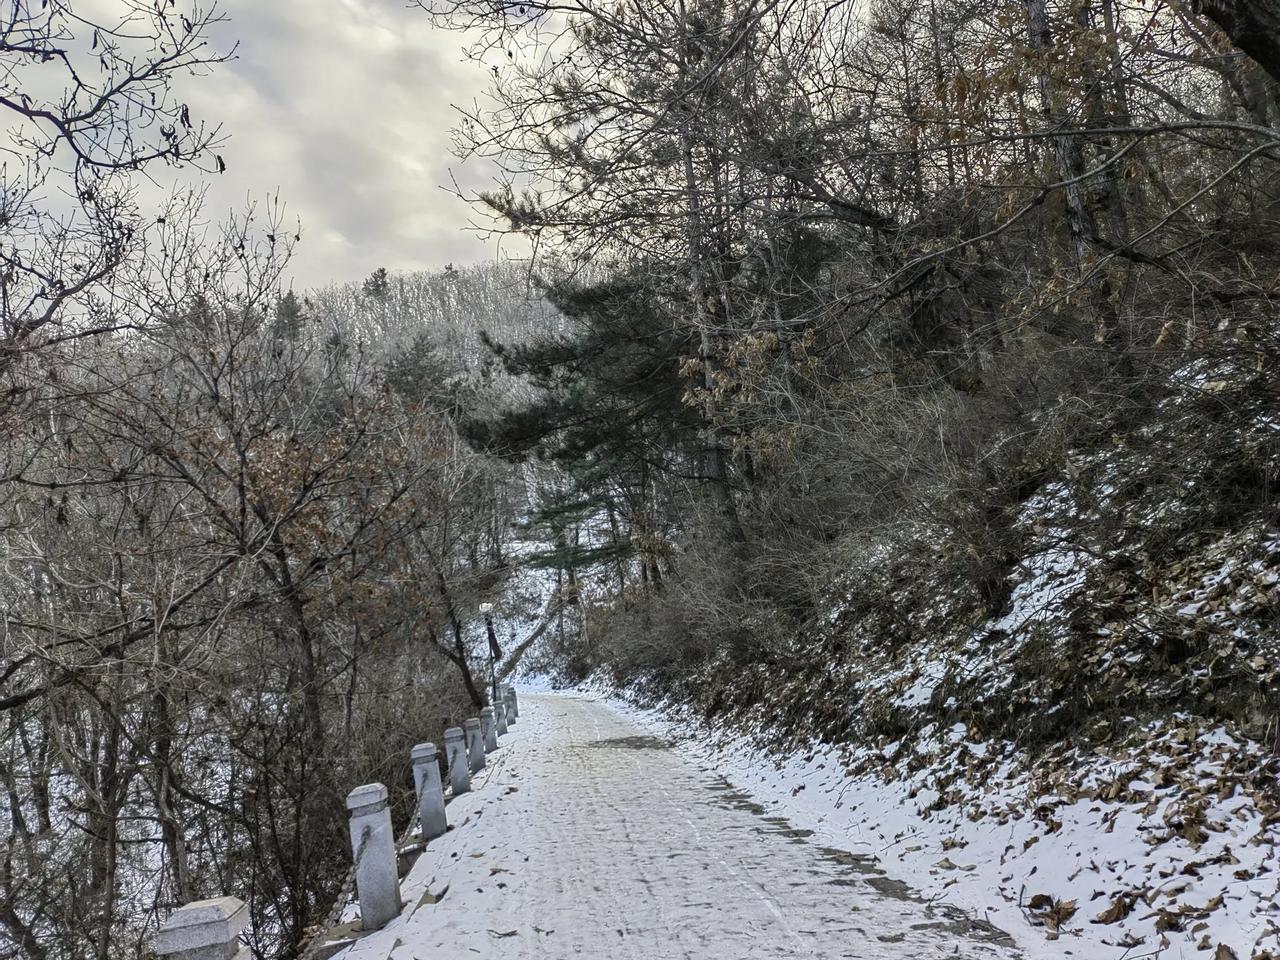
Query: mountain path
x: 587, y: 837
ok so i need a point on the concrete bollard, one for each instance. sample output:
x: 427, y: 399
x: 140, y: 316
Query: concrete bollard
x: 500, y: 717
x: 373, y: 845
x: 490, y: 729
x: 475, y: 743
x: 455, y: 753
x: 426, y: 781
x: 205, y: 930
x: 513, y: 707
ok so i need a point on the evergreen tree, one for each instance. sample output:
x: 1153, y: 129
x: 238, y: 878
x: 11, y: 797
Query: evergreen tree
x: 289, y: 318
x: 609, y: 410
x: 419, y: 374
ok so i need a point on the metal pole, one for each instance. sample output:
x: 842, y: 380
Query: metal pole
x: 493, y: 664
x: 487, y: 610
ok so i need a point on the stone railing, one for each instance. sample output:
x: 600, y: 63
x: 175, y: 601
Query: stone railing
x: 211, y: 929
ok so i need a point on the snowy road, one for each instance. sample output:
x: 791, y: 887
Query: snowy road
x: 588, y: 838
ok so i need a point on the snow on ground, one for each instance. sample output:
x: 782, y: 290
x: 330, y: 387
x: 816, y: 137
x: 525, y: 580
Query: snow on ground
x: 1122, y: 870
x: 590, y: 838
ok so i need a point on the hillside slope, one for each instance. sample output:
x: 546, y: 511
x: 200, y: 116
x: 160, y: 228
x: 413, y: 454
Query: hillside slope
x: 1093, y: 758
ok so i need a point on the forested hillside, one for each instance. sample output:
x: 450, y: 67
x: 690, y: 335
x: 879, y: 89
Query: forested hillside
x: 898, y: 379
x: 235, y: 551
x: 928, y: 378
x: 241, y: 540
x: 912, y: 301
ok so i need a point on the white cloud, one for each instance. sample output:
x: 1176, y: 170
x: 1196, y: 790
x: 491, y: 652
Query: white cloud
x: 344, y: 106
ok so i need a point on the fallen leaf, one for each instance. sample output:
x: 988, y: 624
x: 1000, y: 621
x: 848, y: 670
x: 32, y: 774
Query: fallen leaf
x: 1120, y: 908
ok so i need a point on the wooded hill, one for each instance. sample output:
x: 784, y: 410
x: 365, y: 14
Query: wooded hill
x: 891, y: 301
x: 928, y: 376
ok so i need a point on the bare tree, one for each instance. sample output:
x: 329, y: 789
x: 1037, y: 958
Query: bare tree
x: 91, y: 104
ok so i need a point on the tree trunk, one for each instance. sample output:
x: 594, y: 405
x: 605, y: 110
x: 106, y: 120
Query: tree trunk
x: 166, y: 779
x: 1252, y: 25
x: 459, y: 640
x: 1071, y: 165
x: 717, y: 468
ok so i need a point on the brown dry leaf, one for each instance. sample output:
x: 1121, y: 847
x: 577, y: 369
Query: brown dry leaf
x: 1041, y: 901
x: 1194, y: 834
x: 1120, y: 908
x: 1063, y: 911
x: 1052, y: 913
x: 1224, y: 953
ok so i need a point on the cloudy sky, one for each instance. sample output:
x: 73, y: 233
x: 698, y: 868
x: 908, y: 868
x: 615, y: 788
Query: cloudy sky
x: 345, y: 107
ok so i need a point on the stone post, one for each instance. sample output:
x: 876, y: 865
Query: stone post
x: 426, y: 780
x: 490, y: 729
x: 374, y: 847
x: 513, y: 707
x: 475, y: 743
x: 455, y: 753
x: 205, y: 930
x: 500, y: 716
